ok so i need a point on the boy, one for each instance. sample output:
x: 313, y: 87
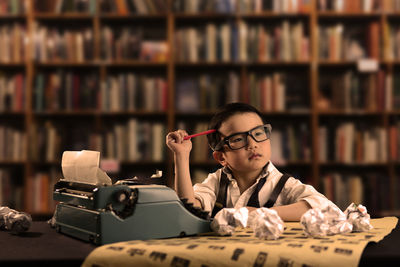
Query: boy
x: 247, y: 179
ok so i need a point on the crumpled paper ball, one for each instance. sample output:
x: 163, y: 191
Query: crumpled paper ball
x: 14, y: 221
x: 266, y: 223
x: 328, y: 221
x: 226, y: 220
x: 357, y: 215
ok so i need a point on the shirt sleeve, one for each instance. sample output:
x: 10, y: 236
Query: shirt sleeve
x: 294, y: 191
x: 205, y: 192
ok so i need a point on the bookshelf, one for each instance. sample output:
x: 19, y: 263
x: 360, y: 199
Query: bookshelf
x: 83, y: 74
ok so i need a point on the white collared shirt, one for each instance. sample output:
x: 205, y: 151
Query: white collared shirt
x: 293, y: 191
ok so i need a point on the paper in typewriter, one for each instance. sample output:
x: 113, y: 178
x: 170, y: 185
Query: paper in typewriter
x: 243, y: 249
x: 83, y: 167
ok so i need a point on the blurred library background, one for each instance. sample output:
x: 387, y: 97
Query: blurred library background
x: 116, y: 75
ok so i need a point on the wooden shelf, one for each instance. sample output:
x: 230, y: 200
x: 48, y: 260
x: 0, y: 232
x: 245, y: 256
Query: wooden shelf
x: 74, y: 64
x: 66, y: 113
x: 118, y: 17
x: 12, y: 113
x: 62, y: 16
x: 203, y: 15
x: 12, y: 163
x: 348, y: 15
x: 12, y: 65
x: 7, y: 17
x: 349, y: 113
x: 133, y: 63
x: 354, y: 164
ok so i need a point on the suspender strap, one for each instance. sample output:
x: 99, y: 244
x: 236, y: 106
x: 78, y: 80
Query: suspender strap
x: 277, y: 190
x: 220, y: 203
x: 253, y: 200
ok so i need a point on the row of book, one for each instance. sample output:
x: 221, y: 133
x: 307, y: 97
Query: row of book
x: 230, y: 42
x: 391, y: 5
x: 369, y: 189
x: 350, y: 6
x: 349, y: 42
x: 206, y: 92
x: 353, y: 143
x: 12, y: 43
x: 126, y: 91
x: 12, y: 92
x: 290, y: 143
x: 12, y: 7
x: 242, y: 6
x: 13, y: 144
x: 131, y: 43
x: 133, y: 140
x: 11, y: 190
x: 39, y: 192
x: 277, y: 91
x: 125, y: 7
x: 391, y: 37
x: 56, y: 44
x: 205, y: 6
x: 359, y: 5
x: 227, y: 42
x: 65, y: 6
x: 129, y: 91
x: 283, y: 6
x: 358, y: 91
x: 49, y: 144
x: 65, y: 90
x: 53, y: 137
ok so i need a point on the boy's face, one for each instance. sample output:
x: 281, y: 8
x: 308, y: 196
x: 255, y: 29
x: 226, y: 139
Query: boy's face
x: 251, y: 158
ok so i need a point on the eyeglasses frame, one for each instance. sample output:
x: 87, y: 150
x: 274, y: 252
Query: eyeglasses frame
x: 225, y: 141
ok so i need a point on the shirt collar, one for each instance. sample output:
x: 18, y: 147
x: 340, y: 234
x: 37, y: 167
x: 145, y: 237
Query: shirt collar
x: 264, y: 173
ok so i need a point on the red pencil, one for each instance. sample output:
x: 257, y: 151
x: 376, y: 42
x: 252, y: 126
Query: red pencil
x: 198, y: 134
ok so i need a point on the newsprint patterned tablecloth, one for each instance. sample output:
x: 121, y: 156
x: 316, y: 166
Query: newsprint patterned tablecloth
x: 293, y: 248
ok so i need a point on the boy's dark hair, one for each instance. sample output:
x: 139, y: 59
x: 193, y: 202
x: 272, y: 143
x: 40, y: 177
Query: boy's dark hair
x: 225, y: 113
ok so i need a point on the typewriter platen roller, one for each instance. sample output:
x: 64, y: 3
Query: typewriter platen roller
x: 114, y: 213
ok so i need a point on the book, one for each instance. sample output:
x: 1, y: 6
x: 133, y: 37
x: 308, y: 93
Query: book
x: 60, y: 90
x: 66, y: 44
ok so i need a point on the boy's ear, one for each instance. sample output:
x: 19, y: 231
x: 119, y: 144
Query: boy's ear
x: 219, y: 156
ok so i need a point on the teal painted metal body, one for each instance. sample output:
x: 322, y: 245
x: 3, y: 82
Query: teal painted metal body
x: 156, y: 212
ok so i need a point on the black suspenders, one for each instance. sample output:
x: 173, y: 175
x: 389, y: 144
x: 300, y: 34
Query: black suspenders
x: 277, y: 190
x: 223, y: 188
x: 220, y: 203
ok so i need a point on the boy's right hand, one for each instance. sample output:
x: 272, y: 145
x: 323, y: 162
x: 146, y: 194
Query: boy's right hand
x: 175, y: 142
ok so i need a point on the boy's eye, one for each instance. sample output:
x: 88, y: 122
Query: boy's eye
x: 236, y: 139
x: 259, y: 132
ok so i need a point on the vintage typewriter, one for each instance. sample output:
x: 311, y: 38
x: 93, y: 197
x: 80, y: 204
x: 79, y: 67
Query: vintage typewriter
x: 124, y: 211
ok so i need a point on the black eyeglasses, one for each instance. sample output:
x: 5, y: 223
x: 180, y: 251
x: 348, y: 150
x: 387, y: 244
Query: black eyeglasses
x: 239, y: 140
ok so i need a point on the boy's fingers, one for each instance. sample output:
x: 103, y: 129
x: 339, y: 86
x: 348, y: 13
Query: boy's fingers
x: 177, y: 136
x: 172, y: 137
x: 180, y: 134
